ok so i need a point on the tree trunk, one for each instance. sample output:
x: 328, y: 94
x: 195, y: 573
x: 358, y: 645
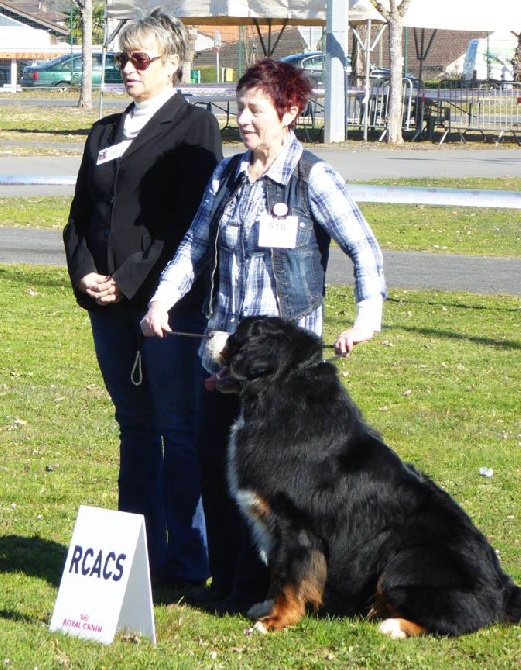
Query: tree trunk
x: 394, y: 15
x: 516, y: 61
x: 85, y: 100
x: 394, y: 118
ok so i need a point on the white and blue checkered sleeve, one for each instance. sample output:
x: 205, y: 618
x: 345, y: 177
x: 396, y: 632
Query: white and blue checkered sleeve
x: 335, y: 210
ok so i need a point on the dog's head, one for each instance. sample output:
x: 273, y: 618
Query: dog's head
x: 268, y: 347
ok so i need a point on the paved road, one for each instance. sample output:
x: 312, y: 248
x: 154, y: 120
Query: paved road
x: 358, y: 164
x: 403, y: 270
x: 408, y: 270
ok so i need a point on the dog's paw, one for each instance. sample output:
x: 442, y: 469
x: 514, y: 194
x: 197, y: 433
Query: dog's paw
x: 393, y: 629
x: 258, y: 627
x: 260, y: 610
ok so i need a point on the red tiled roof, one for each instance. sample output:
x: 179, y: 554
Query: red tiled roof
x: 34, y: 14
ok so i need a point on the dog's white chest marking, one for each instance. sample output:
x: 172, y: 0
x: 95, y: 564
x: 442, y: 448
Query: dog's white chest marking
x: 255, y: 509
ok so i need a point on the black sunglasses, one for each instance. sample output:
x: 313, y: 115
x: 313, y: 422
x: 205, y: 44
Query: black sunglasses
x: 139, y: 60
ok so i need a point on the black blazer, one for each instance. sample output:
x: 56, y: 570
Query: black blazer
x: 128, y: 215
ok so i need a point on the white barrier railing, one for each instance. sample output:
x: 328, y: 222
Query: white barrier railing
x: 454, y: 197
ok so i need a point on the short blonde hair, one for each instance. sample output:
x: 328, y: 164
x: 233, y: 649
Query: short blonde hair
x: 168, y: 33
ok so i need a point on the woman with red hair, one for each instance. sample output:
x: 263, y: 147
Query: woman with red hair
x: 263, y: 229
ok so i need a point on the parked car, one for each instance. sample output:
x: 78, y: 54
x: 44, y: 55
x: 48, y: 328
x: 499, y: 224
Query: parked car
x: 66, y: 71
x: 378, y: 74
x: 5, y: 68
x: 311, y: 61
x: 314, y: 64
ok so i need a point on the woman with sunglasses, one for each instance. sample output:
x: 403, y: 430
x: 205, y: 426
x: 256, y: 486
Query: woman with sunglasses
x: 140, y: 182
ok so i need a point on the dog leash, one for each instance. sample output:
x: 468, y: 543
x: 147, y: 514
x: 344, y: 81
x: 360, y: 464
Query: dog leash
x: 136, y: 374
x: 202, y: 336
x: 331, y: 358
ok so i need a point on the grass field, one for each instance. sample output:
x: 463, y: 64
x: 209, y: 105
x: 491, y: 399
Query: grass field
x: 441, y: 382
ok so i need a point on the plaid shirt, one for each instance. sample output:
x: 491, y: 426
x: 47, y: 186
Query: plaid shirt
x: 247, y: 285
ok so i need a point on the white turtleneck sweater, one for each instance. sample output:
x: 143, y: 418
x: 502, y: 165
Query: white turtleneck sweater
x: 141, y: 113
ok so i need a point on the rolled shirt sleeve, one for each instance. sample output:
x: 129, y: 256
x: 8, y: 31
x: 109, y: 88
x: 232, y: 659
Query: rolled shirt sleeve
x: 335, y: 210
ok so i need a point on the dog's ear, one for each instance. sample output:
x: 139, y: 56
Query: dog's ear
x: 256, y: 358
x: 272, y: 347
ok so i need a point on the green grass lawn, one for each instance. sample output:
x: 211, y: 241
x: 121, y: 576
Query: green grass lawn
x: 441, y: 382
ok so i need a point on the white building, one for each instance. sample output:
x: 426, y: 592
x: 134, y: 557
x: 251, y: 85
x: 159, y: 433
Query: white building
x: 28, y: 32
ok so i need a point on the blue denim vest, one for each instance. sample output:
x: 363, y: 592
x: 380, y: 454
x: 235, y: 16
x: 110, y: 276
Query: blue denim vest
x: 299, y: 272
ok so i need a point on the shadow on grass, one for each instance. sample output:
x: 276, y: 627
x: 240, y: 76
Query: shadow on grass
x: 21, y: 618
x: 30, y: 276
x: 457, y: 304
x: 500, y: 343
x: 33, y: 556
x: 83, y: 132
x: 449, y: 334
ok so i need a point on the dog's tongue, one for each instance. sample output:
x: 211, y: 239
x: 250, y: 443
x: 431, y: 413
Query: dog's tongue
x: 210, y: 383
x: 222, y: 381
x: 215, y: 382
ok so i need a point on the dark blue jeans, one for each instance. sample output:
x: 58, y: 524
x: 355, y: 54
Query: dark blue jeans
x: 159, y: 468
x: 234, y: 560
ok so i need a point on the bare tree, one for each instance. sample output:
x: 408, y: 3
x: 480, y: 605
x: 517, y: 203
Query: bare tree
x: 394, y: 14
x: 516, y: 60
x: 85, y: 9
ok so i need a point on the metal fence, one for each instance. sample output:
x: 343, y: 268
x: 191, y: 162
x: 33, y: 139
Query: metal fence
x: 440, y: 113
x: 485, y: 110
x: 368, y: 109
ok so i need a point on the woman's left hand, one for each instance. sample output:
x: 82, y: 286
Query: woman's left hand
x: 348, y: 338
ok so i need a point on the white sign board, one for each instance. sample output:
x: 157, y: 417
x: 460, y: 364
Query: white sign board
x: 105, y: 586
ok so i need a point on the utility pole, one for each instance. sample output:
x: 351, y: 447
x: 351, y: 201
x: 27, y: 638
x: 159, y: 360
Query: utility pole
x: 85, y: 100
x: 337, y: 16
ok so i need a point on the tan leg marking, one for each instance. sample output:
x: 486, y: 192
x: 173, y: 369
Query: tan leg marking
x: 260, y: 507
x: 289, y: 604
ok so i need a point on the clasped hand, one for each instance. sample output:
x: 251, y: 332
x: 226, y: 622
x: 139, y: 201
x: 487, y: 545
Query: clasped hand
x: 102, y: 288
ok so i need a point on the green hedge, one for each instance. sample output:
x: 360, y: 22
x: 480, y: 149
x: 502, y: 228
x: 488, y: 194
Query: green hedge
x: 207, y: 74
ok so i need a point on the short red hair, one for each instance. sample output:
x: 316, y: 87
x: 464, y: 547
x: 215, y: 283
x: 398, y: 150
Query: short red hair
x: 286, y: 85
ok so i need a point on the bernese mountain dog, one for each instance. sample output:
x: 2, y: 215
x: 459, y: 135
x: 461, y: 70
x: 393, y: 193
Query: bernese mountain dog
x: 342, y: 522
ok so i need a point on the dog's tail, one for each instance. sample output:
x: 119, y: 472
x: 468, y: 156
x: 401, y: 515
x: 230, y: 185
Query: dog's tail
x: 513, y: 609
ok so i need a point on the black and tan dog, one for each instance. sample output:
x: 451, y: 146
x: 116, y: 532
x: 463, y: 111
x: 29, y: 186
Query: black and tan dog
x: 342, y: 521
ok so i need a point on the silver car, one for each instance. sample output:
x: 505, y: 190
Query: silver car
x: 314, y: 63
